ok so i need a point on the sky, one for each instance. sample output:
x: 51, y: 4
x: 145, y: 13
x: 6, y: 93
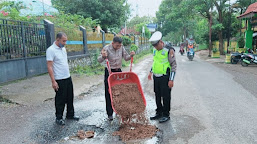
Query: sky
x: 145, y: 7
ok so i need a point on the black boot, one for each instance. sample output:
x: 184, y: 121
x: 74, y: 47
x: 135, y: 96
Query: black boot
x: 157, y: 116
x: 164, y: 119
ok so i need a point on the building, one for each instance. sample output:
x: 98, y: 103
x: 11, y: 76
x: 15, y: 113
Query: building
x: 250, y: 17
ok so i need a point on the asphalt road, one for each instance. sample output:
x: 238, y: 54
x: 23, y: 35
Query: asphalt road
x: 209, y: 106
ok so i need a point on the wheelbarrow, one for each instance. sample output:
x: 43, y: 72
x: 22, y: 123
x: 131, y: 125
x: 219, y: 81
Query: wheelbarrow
x: 117, y: 78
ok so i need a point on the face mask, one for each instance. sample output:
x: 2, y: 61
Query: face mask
x: 61, y: 45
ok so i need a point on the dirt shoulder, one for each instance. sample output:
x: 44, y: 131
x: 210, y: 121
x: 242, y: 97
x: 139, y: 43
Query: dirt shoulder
x: 36, y: 90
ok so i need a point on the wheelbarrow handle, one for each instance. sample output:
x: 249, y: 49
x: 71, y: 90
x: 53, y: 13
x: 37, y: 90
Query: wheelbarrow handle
x: 108, y: 66
x: 131, y: 62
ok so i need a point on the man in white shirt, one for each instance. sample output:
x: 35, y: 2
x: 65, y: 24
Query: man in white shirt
x: 58, y: 69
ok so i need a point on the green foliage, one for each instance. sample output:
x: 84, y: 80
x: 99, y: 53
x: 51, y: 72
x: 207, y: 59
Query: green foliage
x: 94, y: 68
x: 214, y: 50
x: 115, y: 29
x: 176, y: 17
x: 110, y: 14
x: 139, y: 28
x: 71, y: 21
x: 173, y: 37
x: 241, y: 5
x: 133, y: 47
x: 203, y: 47
x: 137, y: 57
x: 66, y: 21
x: 184, y: 18
x: 138, y: 20
x: 89, y: 70
x: 126, y: 40
x: 217, y: 27
x: 241, y: 42
x: 5, y: 100
x: 201, y: 30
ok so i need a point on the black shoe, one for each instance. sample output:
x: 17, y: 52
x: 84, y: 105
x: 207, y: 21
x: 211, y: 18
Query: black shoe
x: 164, y: 119
x: 110, y: 118
x: 157, y: 116
x: 60, y: 122
x: 73, y: 118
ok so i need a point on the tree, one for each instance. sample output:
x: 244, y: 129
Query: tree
x: 242, y: 5
x: 139, y: 28
x: 204, y: 8
x: 137, y: 20
x: 110, y: 14
x: 176, y: 15
x: 221, y: 7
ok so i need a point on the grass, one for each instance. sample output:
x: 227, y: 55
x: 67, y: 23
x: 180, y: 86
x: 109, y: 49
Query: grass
x: 5, y: 100
x: 89, y: 70
x: 137, y: 57
x: 203, y: 47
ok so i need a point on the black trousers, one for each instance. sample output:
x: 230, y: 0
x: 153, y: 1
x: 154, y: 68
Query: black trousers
x: 162, y: 95
x: 63, y: 96
x: 109, y: 109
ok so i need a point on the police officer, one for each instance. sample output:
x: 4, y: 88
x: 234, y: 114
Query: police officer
x: 163, y: 71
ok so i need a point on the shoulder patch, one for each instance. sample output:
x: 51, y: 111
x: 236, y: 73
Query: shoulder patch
x: 171, y: 52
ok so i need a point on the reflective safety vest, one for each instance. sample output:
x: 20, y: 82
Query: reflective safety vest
x: 160, y: 61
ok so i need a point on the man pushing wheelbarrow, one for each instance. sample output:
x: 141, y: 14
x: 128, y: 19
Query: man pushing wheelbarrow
x: 114, y: 53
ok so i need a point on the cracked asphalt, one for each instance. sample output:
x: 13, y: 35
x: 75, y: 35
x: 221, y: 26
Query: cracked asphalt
x: 212, y: 102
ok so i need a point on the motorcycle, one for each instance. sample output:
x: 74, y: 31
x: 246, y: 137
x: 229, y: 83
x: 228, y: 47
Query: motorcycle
x: 190, y: 54
x: 235, y: 57
x: 248, y: 59
x: 181, y: 51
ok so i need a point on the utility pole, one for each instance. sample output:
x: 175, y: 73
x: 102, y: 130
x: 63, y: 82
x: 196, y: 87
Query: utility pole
x: 125, y: 19
x: 43, y: 7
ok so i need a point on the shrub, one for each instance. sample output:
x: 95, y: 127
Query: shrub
x: 214, y: 50
x: 126, y: 40
x: 133, y: 47
x: 241, y: 42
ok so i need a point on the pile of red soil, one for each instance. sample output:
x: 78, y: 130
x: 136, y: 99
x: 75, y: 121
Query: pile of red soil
x: 127, y: 100
x: 129, y: 104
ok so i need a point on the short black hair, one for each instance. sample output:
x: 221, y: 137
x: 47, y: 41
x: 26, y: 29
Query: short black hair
x: 117, y: 39
x: 60, y: 35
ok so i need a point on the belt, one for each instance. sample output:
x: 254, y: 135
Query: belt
x: 159, y: 75
x: 115, y: 69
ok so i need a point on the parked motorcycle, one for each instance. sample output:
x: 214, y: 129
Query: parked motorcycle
x: 235, y: 57
x: 248, y: 59
x: 190, y: 54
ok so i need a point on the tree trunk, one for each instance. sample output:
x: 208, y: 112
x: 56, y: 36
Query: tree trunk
x: 210, y: 41
x: 220, y: 33
x: 221, y: 49
x: 221, y: 43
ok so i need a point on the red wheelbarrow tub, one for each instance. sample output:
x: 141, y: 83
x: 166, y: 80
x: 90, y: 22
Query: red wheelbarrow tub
x: 118, y: 78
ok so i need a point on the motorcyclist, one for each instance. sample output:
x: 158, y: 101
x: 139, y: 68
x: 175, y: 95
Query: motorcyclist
x: 190, y: 47
x: 181, y: 50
